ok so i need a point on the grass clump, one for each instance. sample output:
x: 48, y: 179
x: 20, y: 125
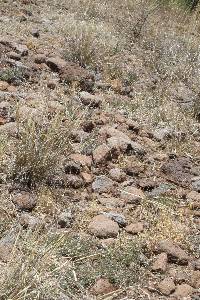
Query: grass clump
x: 14, y: 75
x: 38, y: 149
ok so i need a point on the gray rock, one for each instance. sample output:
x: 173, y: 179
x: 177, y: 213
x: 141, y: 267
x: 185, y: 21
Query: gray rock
x: 196, y: 185
x: 119, y: 218
x: 102, y: 184
x: 65, y: 219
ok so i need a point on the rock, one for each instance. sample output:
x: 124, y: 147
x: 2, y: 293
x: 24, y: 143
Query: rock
x: 74, y: 73
x: 121, y: 145
x: 108, y: 131
x: 174, y: 253
x: 166, y: 286
x: 3, y: 85
x: 102, y: 227
x: 160, y: 264
x: 19, y: 48
x: 195, y: 280
x: 101, y: 154
x: 84, y: 160
x: 110, y: 202
x: 162, y: 134
x: 101, y: 287
x: 118, y: 218
x: 178, y: 170
x: 87, y: 177
x: 79, y: 136
x: 72, y: 167
x: 65, y: 219
x: 9, y: 129
x: 90, y: 100
x: 14, y: 55
x: 179, y: 274
x: 56, y: 64
x: 73, y: 181
x: 197, y: 264
x: 52, y: 84
x: 40, y: 59
x: 117, y: 174
x: 161, y: 190
x: 196, y: 185
x: 28, y: 221
x: 183, y: 290
x: 132, y: 195
x: 102, y: 184
x: 135, y: 228
x: 106, y: 243
x: 24, y: 201
x: 7, y: 248
x: 193, y: 196
x: 35, y: 33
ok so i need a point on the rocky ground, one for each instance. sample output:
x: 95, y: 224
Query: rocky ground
x: 99, y: 150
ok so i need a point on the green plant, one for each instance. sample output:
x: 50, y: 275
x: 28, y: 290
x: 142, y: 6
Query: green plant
x: 14, y: 75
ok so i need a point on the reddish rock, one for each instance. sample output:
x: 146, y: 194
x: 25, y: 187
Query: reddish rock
x: 90, y: 100
x: 56, y: 64
x: 84, y: 160
x: 182, y: 291
x: 24, y: 201
x: 102, y: 286
x: 87, y: 177
x: 174, y: 252
x: 135, y: 228
x: 160, y: 264
x: 103, y: 227
x: 132, y: 195
x: 166, y: 286
x: 3, y: 85
x: 117, y: 174
x: 101, y: 154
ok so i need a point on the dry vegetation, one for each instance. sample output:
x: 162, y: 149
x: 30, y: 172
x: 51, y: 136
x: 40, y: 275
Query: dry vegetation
x: 147, y: 55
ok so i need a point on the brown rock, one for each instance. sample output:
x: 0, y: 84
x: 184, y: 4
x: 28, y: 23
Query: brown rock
x: 183, y: 290
x: 193, y: 196
x: 167, y: 286
x: 132, y: 195
x: 101, y: 154
x: 40, y: 59
x: 24, y: 201
x: 28, y: 221
x: 101, y: 287
x: 103, y: 227
x: 135, y: 228
x: 117, y: 174
x: 87, y: 177
x: 174, y: 252
x: 90, y: 100
x: 14, y: 55
x: 56, y: 64
x: 160, y: 264
x: 3, y: 85
x: 195, y: 279
x: 84, y: 160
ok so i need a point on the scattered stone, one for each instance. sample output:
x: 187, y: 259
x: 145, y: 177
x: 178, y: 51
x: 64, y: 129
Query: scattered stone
x: 180, y: 274
x: 14, y: 55
x: 135, y: 228
x: 117, y: 174
x: 65, y: 219
x: 110, y: 202
x: 102, y: 184
x: 28, y: 221
x: 87, y: 177
x: 195, y: 279
x: 24, y: 201
x: 84, y: 160
x: 119, y: 218
x: 193, y: 196
x: 35, y: 33
x: 3, y: 85
x: 40, y: 59
x: 101, y: 287
x: 166, y: 286
x: 196, y: 185
x: 90, y: 100
x: 73, y: 181
x: 56, y: 64
x: 132, y: 195
x: 52, y: 84
x: 72, y: 167
x: 197, y: 264
x: 174, y: 253
x: 160, y: 264
x: 162, y: 134
x: 183, y: 290
x: 101, y: 154
x: 103, y: 227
